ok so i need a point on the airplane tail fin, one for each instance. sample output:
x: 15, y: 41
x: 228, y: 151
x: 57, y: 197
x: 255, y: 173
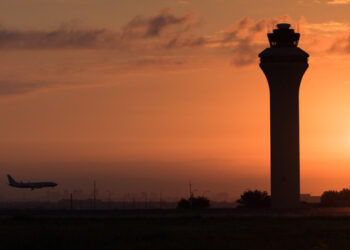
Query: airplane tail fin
x: 11, y: 180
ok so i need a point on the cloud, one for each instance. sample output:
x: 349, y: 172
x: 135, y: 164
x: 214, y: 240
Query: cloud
x: 338, y: 2
x: 157, y: 61
x: 137, y: 30
x: 164, y: 41
x: 72, y: 74
x: 19, y: 87
x: 326, y: 28
x: 163, y: 31
x: 245, y: 53
x: 154, y: 26
x: 57, y: 39
x: 327, y: 39
x: 341, y: 44
x: 243, y: 40
x: 154, y: 38
x: 186, y: 42
x: 308, y: 1
x: 246, y: 38
x: 182, y: 2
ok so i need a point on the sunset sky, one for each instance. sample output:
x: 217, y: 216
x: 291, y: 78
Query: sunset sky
x: 143, y: 96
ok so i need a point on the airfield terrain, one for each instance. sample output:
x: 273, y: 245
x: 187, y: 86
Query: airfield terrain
x: 174, y: 230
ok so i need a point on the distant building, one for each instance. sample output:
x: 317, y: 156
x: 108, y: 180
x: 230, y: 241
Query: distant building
x: 309, y: 198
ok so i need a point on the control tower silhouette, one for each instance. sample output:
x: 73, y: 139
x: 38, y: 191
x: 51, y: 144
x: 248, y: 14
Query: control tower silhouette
x: 284, y: 65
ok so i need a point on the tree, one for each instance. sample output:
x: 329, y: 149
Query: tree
x: 255, y: 199
x: 184, y: 204
x: 344, y: 196
x: 329, y: 198
x: 333, y: 198
x: 200, y: 202
x: 194, y: 202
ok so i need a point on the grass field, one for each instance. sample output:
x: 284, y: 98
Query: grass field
x: 176, y: 233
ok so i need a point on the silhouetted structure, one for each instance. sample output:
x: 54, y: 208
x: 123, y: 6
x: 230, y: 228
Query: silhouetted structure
x: 71, y: 200
x: 284, y: 65
x: 94, y: 196
x: 308, y: 198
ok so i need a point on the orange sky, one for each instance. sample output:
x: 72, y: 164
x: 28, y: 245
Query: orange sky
x: 145, y: 95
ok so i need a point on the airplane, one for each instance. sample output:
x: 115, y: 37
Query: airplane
x: 31, y: 185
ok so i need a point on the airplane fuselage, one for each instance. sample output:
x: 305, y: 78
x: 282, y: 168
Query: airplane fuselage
x: 33, y: 185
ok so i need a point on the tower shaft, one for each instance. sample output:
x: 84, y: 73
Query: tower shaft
x: 284, y: 132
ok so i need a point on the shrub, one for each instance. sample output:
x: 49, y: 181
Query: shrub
x: 200, y: 202
x: 194, y: 202
x: 184, y: 204
x: 255, y: 199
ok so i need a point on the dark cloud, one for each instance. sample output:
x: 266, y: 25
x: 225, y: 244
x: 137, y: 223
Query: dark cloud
x: 233, y: 34
x: 158, y: 61
x: 246, y: 38
x: 187, y: 42
x: 56, y: 39
x: 87, y: 76
x: 154, y: 26
x: 11, y: 87
x: 162, y: 31
x: 139, y: 28
x: 245, y: 53
x: 153, y: 37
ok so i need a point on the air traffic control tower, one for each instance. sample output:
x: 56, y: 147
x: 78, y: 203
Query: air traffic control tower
x: 284, y: 65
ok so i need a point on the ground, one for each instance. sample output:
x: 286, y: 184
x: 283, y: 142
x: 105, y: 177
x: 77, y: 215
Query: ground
x: 176, y: 232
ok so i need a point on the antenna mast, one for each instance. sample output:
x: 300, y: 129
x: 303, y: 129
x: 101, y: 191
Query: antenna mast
x: 94, y: 194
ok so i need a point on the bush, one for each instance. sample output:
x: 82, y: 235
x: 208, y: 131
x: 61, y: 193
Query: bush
x: 194, y: 202
x: 184, y: 204
x: 329, y: 198
x: 200, y: 202
x: 255, y: 199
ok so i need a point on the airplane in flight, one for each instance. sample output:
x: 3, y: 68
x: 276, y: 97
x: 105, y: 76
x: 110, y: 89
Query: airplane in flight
x: 31, y: 185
